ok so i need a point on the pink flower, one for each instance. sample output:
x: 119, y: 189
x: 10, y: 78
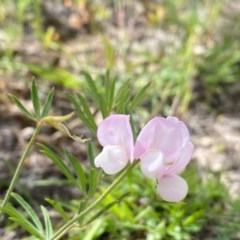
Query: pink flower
x: 116, y: 137
x: 164, y: 149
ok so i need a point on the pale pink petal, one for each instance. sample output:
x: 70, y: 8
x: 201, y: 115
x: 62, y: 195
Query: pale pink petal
x: 183, y: 160
x: 116, y: 130
x: 145, y: 138
x: 172, y: 188
x: 181, y: 126
x: 152, y: 163
x: 112, y: 159
x: 166, y: 134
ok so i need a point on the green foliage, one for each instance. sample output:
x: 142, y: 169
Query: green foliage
x: 142, y: 213
x: 34, y: 226
x: 35, y: 219
x: 36, y: 104
x: 171, y: 70
x: 79, y: 170
x: 56, y: 74
x: 59, y: 208
x: 222, y: 56
x: 76, y: 177
x: 48, y: 224
x: 93, y: 181
x: 84, y: 114
x: 22, y: 108
x: 35, y: 100
x: 107, y: 96
x: 48, y: 103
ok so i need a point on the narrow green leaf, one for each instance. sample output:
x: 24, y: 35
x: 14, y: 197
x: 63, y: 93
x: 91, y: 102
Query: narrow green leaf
x: 93, y: 182
x: 10, y: 210
x: 107, y: 85
x: 35, y: 99
x: 193, y: 217
x: 77, y: 107
x: 110, y: 91
x: 107, y: 80
x: 27, y: 226
x: 22, y: 108
x: 92, y: 88
x: 58, y: 162
x: 107, y: 207
x: 19, y: 218
x: 94, y: 229
x: 81, y: 114
x: 81, y: 207
x: 123, y: 97
x: 90, y: 155
x: 107, y: 95
x: 96, y: 97
x: 56, y: 74
x: 32, y: 214
x: 101, y: 212
x: 48, y: 224
x: 48, y: 103
x: 109, y: 51
x: 87, y: 112
x: 139, y: 96
x: 78, y: 169
x: 58, y: 207
x: 133, y: 126
x: 103, y: 107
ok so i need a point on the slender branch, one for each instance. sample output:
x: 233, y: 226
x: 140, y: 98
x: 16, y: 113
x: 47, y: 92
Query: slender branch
x: 19, y: 167
x: 64, y: 229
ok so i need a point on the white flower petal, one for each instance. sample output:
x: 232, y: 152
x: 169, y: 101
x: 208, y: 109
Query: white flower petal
x: 172, y: 188
x: 152, y: 163
x: 112, y: 159
x: 115, y: 130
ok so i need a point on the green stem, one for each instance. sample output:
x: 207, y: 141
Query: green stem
x: 64, y: 229
x: 19, y: 167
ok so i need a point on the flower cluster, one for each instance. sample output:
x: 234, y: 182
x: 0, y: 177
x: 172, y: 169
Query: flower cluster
x: 163, y: 147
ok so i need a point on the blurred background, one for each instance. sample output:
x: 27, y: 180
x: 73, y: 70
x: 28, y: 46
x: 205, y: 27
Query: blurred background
x: 189, y: 53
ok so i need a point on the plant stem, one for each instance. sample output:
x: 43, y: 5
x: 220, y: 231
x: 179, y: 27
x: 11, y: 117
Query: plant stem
x: 63, y: 230
x: 19, y: 167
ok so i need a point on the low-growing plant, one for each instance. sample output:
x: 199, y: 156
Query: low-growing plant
x: 119, y: 154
